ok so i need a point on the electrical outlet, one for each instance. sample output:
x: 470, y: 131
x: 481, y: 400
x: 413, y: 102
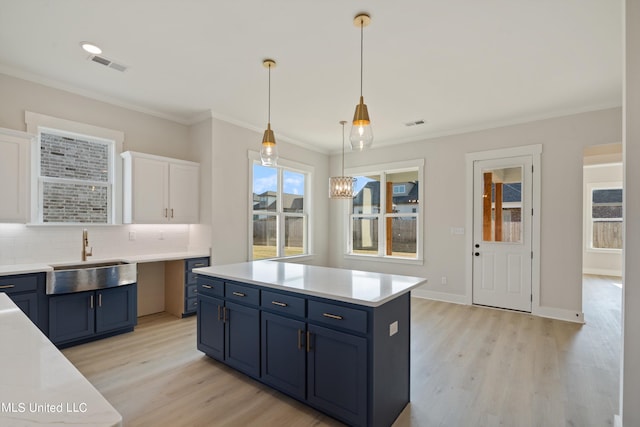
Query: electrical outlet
x: 444, y: 280
x: 161, y: 235
x: 132, y: 236
x: 393, y: 328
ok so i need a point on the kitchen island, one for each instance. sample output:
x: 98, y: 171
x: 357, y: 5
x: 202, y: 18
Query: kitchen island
x: 39, y: 385
x: 335, y: 339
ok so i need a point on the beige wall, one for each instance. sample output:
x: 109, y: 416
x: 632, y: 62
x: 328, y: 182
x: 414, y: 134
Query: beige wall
x: 631, y: 301
x: 143, y: 132
x: 563, y: 140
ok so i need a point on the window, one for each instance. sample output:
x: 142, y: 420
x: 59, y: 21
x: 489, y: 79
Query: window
x: 385, y: 215
x: 74, y: 169
x: 280, y: 206
x: 606, y: 218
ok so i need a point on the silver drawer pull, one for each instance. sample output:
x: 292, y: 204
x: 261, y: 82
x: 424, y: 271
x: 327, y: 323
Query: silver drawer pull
x: 278, y: 303
x: 195, y: 291
x: 7, y: 286
x: 200, y: 264
x: 207, y: 286
x: 239, y: 294
x: 332, y: 316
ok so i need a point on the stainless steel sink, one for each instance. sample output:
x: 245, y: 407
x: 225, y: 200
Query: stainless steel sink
x: 89, y: 276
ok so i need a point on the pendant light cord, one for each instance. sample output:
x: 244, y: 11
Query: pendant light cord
x: 342, y: 147
x: 269, y: 103
x: 361, y: 50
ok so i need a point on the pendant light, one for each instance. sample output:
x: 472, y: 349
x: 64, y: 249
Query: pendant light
x: 361, y: 133
x: 269, y: 151
x: 341, y: 187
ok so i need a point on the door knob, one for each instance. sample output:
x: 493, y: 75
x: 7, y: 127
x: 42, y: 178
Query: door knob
x: 477, y: 254
x: 477, y: 245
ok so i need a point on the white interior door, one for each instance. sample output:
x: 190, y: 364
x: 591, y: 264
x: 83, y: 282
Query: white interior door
x: 502, y: 213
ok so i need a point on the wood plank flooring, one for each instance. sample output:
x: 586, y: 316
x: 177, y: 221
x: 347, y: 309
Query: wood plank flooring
x: 471, y: 366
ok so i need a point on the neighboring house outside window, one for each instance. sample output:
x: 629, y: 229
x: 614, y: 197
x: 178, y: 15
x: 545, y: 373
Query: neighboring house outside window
x: 606, y: 217
x: 75, y: 166
x: 385, y: 215
x: 280, y: 211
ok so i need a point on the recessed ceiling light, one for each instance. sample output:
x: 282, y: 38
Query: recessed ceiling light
x: 91, y: 48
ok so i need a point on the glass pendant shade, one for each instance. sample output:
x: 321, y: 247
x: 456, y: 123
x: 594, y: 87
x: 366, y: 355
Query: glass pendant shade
x: 361, y: 136
x: 269, y: 150
x: 341, y: 187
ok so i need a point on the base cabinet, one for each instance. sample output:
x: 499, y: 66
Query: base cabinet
x: 83, y: 316
x: 337, y: 357
x: 27, y: 291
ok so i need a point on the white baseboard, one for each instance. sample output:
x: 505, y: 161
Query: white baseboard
x: 559, y: 314
x: 439, y: 296
x: 602, y: 272
x: 617, y: 421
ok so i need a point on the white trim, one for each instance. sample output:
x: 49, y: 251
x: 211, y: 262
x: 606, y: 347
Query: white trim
x: 617, y: 420
x: 292, y: 166
x: 559, y: 314
x: 602, y: 272
x: 535, y: 151
x: 439, y: 296
x: 37, y: 122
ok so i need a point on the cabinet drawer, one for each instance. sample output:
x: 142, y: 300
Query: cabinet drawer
x: 19, y: 283
x: 192, y: 291
x: 190, y: 305
x: 197, y: 263
x: 284, y: 304
x: 210, y: 286
x: 338, y: 316
x: 242, y: 293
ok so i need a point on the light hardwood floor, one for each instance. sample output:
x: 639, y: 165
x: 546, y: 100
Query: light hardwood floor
x: 471, y: 366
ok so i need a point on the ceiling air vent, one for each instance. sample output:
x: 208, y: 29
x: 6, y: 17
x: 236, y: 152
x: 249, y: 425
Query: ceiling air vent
x: 108, y: 63
x: 415, y: 123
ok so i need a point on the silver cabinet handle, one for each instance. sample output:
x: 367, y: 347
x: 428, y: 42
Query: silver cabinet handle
x: 332, y: 316
x: 166, y: 215
x: 279, y: 304
x: 207, y: 286
x: 200, y: 264
x: 91, y: 302
x: 7, y: 286
x: 300, y: 332
x: 171, y: 212
x: 308, y: 341
x: 100, y: 300
x: 239, y: 294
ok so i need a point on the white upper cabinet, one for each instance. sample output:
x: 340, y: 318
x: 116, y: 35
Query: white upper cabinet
x: 14, y: 175
x: 160, y: 190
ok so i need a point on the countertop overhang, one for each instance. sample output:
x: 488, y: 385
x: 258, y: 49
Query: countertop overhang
x: 354, y: 286
x: 39, y: 385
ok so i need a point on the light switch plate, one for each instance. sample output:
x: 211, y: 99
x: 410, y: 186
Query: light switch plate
x: 393, y: 328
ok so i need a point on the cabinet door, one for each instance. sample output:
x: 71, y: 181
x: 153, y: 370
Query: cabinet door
x: 211, y: 326
x: 242, y: 338
x: 13, y: 176
x: 283, y: 354
x: 71, y: 316
x: 184, y: 193
x: 337, y: 374
x: 116, y: 308
x: 28, y: 303
x: 150, y: 192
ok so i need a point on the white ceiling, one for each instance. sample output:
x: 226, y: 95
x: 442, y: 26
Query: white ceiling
x: 456, y: 64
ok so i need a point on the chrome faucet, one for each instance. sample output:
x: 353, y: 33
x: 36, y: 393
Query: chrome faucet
x: 85, y: 245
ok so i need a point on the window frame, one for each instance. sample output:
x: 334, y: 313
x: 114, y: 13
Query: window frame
x: 614, y: 185
x: 39, y: 123
x: 383, y: 170
x: 279, y: 214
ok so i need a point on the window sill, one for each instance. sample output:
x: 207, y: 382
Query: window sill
x: 603, y: 251
x: 293, y: 258
x: 391, y: 260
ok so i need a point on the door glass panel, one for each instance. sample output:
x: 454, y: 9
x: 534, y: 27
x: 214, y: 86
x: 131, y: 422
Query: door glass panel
x: 502, y: 205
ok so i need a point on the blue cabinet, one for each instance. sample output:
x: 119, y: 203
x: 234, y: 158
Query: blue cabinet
x: 85, y: 316
x: 284, y: 358
x: 27, y: 291
x: 229, y: 327
x: 337, y: 374
x: 347, y: 360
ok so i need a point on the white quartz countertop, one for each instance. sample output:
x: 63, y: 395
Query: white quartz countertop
x: 353, y: 286
x: 9, y: 269
x: 38, y: 385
